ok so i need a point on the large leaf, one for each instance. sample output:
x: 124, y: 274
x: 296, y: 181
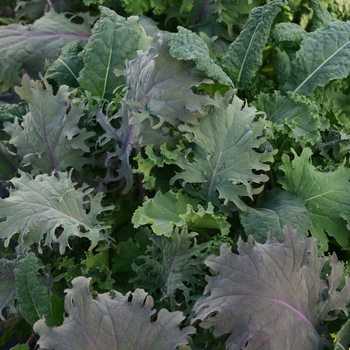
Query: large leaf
x: 112, y: 321
x: 169, y: 210
x: 158, y: 90
x: 323, y: 56
x: 270, y: 295
x: 224, y: 153
x: 171, y: 265
x: 28, y: 46
x: 33, y: 298
x: 293, y: 115
x: 186, y: 45
x: 112, y: 41
x: 326, y: 196
x: 50, y: 208
x: 276, y: 210
x: 245, y: 54
x: 49, y: 139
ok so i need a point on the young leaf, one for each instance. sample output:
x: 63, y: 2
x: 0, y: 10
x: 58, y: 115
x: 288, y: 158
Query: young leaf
x: 33, y: 298
x: 112, y: 321
x: 276, y: 210
x: 343, y: 337
x: 244, y: 55
x: 49, y: 139
x: 50, y: 208
x: 320, y: 15
x: 323, y: 56
x: 326, y: 195
x: 271, y: 294
x: 170, y: 264
x: 293, y: 115
x: 28, y: 46
x: 224, y: 154
x: 112, y: 41
x: 169, y: 210
x: 186, y: 45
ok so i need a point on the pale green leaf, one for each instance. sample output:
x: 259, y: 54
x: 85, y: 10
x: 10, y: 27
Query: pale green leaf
x: 169, y: 210
x: 343, y: 337
x: 323, y: 56
x: 326, y: 196
x: 49, y: 139
x: 244, y: 55
x: 21, y: 347
x: 186, y: 45
x: 293, y: 115
x: 24, y: 46
x: 113, y: 321
x: 172, y: 264
x: 49, y: 209
x: 276, y: 210
x: 224, y: 154
x: 270, y: 295
x: 113, y: 40
x: 33, y: 298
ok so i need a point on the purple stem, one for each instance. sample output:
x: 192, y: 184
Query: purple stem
x: 7, y: 275
x: 202, y: 10
x: 52, y: 157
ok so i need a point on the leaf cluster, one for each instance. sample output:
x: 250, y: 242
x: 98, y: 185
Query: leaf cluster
x: 175, y: 174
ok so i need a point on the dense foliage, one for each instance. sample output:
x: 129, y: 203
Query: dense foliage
x: 175, y: 174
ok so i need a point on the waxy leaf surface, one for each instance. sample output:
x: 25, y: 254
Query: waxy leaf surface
x: 112, y: 322
x: 45, y: 204
x: 270, y: 295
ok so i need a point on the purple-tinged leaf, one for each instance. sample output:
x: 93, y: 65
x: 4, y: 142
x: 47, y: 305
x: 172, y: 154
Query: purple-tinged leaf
x: 24, y: 46
x: 270, y: 295
x: 112, y: 321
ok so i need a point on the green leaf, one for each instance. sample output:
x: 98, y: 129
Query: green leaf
x: 169, y: 210
x: 112, y: 41
x: 186, y: 45
x: 276, y: 210
x: 320, y: 15
x: 113, y: 321
x: 33, y: 298
x: 323, y: 56
x: 293, y: 115
x: 223, y: 156
x: 28, y: 46
x: 244, y: 55
x: 290, y: 32
x: 172, y: 264
x: 343, y: 337
x: 270, y: 295
x: 326, y: 196
x: 49, y: 139
x: 21, y: 347
x: 65, y: 69
x: 8, y: 112
x: 50, y: 208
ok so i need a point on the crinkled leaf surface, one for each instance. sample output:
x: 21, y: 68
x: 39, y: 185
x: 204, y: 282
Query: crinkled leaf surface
x: 270, y: 295
x: 326, y: 195
x: 323, y: 56
x: 33, y: 298
x: 288, y: 31
x: 276, y: 210
x: 46, y: 203
x: 169, y: 210
x: 112, y: 41
x: 186, y: 45
x: 172, y: 264
x: 320, y: 15
x: 29, y: 46
x: 48, y: 138
x: 112, y: 322
x: 294, y: 115
x: 244, y: 55
x: 224, y: 154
